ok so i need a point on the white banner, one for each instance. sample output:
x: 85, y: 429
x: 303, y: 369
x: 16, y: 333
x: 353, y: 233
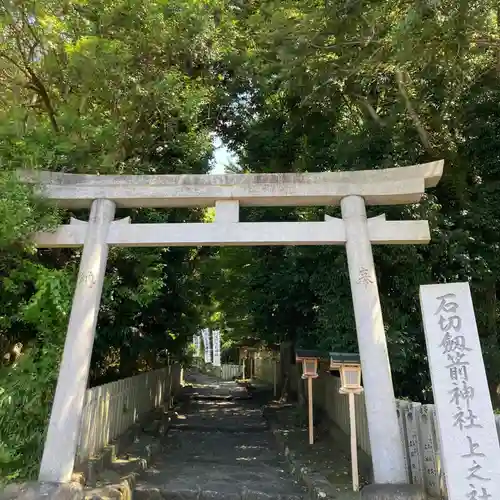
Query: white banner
x: 206, y: 344
x: 216, y: 345
x: 197, y: 345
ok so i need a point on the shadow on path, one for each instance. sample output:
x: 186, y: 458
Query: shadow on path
x: 218, y: 446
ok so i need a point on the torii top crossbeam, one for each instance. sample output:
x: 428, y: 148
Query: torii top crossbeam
x: 392, y: 186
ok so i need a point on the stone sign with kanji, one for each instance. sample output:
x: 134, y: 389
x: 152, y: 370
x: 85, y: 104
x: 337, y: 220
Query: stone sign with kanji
x: 470, y: 450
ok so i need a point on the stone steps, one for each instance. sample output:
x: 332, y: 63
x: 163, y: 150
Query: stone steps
x: 218, y: 479
x: 219, y: 416
x: 224, y: 429
x: 247, y: 448
x: 218, y: 447
x: 207, y: 494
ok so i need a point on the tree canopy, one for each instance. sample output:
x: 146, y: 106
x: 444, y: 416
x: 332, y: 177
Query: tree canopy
x: 142, y: 87
x: 331, y: 85
x: 97, y: 87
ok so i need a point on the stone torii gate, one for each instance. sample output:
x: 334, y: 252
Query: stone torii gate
x: 352, y: 190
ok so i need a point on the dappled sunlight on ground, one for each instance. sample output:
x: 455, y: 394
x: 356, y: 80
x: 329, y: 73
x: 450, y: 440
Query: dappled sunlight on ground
x: 220, y: 443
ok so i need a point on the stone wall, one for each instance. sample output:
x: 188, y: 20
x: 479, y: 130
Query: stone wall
x: 45, y: 491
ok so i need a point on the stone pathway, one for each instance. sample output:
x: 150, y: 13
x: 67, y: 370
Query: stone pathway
x: 219, y: 446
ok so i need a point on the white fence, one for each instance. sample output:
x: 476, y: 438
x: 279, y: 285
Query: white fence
x: 419, y: 433
x: 230, y: 371
x: 417, y: 423
x: 110, y: 409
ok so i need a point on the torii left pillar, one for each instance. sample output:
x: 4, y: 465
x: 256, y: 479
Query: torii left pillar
x: 62, y: 435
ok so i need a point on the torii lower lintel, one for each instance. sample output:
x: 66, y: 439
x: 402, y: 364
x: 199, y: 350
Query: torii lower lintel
x: 330, y: 232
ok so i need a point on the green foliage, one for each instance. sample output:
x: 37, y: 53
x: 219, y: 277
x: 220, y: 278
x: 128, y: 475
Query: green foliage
x: 97, y: 86
x: 345, y: 86
x: 139, y: 87
x: 28, y: 385
x: 21, y: 213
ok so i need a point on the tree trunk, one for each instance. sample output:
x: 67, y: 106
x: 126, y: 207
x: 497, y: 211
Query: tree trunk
x: 128, y: 362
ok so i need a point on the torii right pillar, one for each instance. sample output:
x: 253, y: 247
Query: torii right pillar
x: 387, y: 448
x: 385, y: 440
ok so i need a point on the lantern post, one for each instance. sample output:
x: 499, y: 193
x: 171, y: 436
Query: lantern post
x: 251, y: 362
x: 309, y: 371
x: 243, y: 357
x: 350, y: 383
x: 275, y: 375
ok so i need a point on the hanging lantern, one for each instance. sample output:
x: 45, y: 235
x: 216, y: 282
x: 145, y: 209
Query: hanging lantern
x: 350, y: 377
x: 309, y: 368
x: 349, y: 367
x: 310, y: 361
x: 335, y: 365
x: 348, y: 364
x: 337, y: 359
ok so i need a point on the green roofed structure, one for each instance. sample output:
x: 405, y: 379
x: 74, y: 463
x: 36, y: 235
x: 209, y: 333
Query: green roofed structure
x: 344, y: 357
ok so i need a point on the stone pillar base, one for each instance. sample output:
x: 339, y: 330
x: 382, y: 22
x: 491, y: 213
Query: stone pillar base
x: 393, y: 492
x: 43, y: 491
